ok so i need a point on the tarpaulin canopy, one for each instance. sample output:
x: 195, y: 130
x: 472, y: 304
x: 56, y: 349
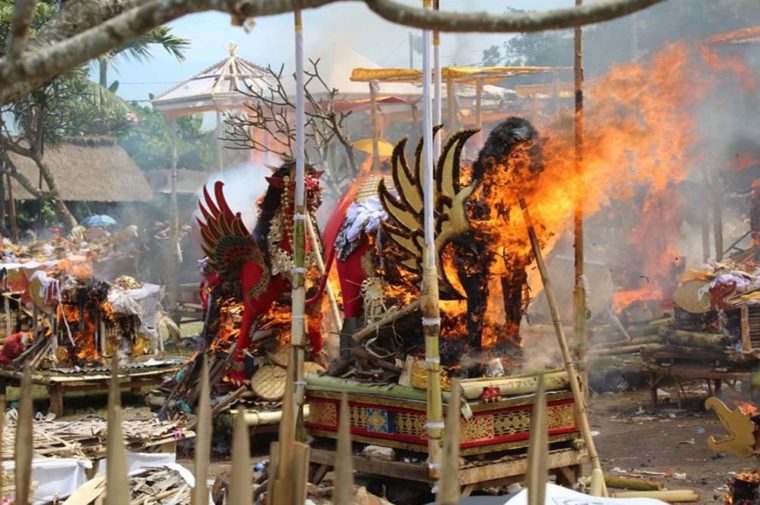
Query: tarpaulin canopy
x: 460, y: 74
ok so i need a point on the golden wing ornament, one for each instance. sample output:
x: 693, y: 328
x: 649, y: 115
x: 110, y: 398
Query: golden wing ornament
x: 405, y: 225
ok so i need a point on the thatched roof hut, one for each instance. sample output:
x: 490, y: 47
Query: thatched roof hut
x: 189, y: 182
x: 87, y: 169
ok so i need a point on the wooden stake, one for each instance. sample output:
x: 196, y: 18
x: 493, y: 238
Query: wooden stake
x: 538, y: 448
x: 241, y: 490
x: 448, y: 487
x: 343, y: 487
x: 299, y: 471
x: 24, y: 441
x: 597, y: 483
x: 117, y: 483
x: 202, y: 439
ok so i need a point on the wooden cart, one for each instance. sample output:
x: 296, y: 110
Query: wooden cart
x: 493, y: 436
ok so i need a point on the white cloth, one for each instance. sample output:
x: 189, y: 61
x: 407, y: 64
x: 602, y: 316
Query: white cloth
x: 140, y: 460
x: 55, y: 477
x: 558, y: 495
x: 365, y: 216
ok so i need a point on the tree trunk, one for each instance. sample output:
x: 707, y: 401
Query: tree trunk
x: 61, y: 210
x: 103, y: 72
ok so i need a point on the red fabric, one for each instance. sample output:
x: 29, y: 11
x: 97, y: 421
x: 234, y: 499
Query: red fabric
x: 12, y: 348
x: 207, y: 284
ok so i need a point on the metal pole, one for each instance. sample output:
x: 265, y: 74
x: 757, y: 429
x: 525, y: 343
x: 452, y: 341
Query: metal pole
x: 579, y: 291
x: 431, y: 321
x: 411, y: 50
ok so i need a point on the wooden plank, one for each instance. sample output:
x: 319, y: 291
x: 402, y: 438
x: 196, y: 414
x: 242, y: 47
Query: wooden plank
x: 56, y: 399
x: 395, y: 469
x: 501, y: 469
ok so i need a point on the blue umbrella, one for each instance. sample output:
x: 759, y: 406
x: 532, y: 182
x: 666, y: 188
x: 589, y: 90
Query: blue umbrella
x: 99, y: 220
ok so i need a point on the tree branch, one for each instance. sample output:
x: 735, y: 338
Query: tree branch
x: 485, y: 22
x: 47, y: 62
x: 23, y: 12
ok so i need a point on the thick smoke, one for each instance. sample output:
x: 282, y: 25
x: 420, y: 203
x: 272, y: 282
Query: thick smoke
x: 243, y: 185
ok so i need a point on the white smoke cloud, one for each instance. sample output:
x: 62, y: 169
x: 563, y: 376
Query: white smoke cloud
x: 243, y: 185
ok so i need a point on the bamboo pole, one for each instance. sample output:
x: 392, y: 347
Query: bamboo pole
x: 203, y: 435
x: 218, y: 144
x: 478, y: 104
x: 717, y: 198
x: 241, y: 490
x: 431, y: 321
x: 451, y: 105
x: 387, y: 319
x: 579, y: 291
x: 597, y: 476
x: 174, y: 228
x: 316, y: 246
x: 704, y: 218
x: 24, y: 441
x: 373, y: 85
x: 117, y: 484
x: 343, y: 487
x: 281, y: 478
x: 436, y: 85
x: 538, y: 448
x: 298, y: 275
x: 449, y: 489
x: 2, y: 431
x: 671, y: 495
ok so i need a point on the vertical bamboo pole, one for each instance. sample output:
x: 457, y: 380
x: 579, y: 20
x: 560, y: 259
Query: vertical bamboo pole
x: 24, y: 441
x: 241, y: 490
x: 2, y: 432
x: 451, y: 105
x: 579, y: 291
x: 436, y: 85
x: 597, y: 476
x: 117, y: 483
x: 202, y: 439
x: 281, y: 486
x: 299, y: 238
x: 431, y: 321
x: 174, y: 227
x: 717, y: 200
x: 219, y: 144
x: 478, y: 103
x: 343, y: 487
x: 538, y: 447
x: 448, y: 488
x: 704, y: 218
x: 373, y: 86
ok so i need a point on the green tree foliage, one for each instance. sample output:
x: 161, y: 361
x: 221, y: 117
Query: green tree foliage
x: 148, y: 141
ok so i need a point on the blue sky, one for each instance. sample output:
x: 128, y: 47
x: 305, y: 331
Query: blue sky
x: 271, y: 41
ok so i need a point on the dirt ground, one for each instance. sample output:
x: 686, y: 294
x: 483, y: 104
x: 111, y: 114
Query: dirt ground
x: 631, y: 437
x: 634, y: 437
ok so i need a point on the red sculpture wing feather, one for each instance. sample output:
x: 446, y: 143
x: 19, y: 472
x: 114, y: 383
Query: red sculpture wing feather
x: 225, y: 238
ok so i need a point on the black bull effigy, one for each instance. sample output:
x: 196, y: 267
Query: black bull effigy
x: 375, y: 235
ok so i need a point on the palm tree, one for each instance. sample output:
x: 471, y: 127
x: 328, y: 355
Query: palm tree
x: 140, y: 49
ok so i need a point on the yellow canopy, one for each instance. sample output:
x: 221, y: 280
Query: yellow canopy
x: 384, y: 147
x: 462, y: 74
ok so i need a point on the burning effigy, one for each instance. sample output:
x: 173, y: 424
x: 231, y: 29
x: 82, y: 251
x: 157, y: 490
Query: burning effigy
x: 68, y: 310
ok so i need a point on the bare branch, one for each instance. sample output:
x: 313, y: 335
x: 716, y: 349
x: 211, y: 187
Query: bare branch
x: 485, y: 22
x: 23, y: 12
x: 47, y: 62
